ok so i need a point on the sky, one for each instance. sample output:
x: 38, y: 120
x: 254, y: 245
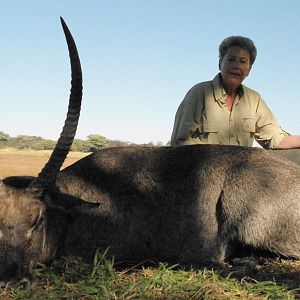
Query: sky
x: 139, y: 58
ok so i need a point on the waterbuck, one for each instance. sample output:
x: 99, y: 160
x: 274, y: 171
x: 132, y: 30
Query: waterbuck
x: 188, y: 204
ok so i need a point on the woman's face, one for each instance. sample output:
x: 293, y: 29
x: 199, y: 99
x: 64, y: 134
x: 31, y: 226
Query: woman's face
x: 235, y: 67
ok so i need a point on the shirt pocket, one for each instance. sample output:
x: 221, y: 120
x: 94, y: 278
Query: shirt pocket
x: 248, y: 125
x: 205, y: 129
x: 209, y: 128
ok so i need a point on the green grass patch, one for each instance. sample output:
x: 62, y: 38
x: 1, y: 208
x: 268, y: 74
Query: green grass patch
x: 70, y: 278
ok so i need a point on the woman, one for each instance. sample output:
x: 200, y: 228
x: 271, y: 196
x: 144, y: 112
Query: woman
x: 223, y: 111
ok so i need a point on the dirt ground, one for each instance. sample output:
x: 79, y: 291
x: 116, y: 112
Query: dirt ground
x: 14, y: 162
x: 27, y: 162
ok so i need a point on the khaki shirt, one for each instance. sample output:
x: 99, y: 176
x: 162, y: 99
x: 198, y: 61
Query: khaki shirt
x: 203, y: 118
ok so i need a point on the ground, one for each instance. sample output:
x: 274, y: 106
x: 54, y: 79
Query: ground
x: 27, y: 162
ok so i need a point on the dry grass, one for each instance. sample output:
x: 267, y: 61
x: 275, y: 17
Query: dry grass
x: 27, y: 162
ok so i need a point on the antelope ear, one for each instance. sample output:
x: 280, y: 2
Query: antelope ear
x: 68, y: 203
x: 19, y: 182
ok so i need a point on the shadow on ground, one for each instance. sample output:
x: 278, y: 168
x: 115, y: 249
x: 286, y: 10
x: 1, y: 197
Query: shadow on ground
x: 280, y: 271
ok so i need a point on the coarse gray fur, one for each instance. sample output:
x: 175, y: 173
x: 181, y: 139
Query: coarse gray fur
x: 185, y: 204
x: 189, y: 204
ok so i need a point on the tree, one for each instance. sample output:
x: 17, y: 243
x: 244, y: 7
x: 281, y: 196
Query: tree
x: 3, y: 136
x: 3, y: 139
x: 81, y: 146
x: 43, y: 145
x: 97, y: 141
x: 26, y: 141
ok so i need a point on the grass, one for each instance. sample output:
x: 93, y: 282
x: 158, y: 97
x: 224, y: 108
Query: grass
x: 70, y: 278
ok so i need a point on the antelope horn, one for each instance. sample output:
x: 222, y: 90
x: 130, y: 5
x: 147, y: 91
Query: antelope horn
x: 48, y: 174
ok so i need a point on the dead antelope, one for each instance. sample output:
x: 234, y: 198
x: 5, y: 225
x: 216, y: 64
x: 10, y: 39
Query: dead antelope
x: 188, y: 204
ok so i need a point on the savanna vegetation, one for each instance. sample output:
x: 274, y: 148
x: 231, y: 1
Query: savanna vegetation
x: 92, y: 143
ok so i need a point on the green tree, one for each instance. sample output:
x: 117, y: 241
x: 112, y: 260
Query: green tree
x: 3, y: 139
x: 43, y: 145
x: 26, y: 141
x: 81, y: 146
x: 97, y: 141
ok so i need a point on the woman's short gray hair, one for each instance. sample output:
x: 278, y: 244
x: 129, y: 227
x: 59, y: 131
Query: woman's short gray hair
x: 239, y: 41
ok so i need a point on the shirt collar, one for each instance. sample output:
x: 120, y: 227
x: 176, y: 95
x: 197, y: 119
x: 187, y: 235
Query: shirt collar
x: 219, y: 91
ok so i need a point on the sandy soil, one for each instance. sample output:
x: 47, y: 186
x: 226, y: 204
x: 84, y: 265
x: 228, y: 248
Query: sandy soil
x: 27, y: 162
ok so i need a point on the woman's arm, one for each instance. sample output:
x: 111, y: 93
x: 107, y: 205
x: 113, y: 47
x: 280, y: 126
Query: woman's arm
x: 289, y: 142
x: 186, y: 119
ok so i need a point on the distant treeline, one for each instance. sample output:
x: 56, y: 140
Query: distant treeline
x: 92, y: 143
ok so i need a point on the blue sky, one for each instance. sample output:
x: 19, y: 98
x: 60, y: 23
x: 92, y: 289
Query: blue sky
x: 139, y: 58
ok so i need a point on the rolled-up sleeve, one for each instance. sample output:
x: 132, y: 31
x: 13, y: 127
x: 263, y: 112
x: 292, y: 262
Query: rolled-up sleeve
x: 268, y: 132
x: 187, y: 118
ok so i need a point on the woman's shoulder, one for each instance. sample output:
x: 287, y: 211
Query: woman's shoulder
x: 200, y: 86
x: 250, y: 91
